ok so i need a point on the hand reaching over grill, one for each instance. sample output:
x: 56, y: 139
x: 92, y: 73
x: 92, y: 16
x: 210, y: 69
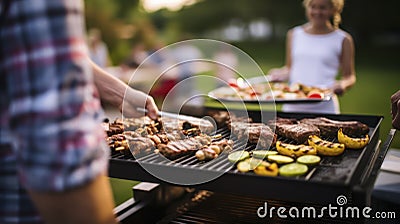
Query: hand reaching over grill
x: 395, y: 110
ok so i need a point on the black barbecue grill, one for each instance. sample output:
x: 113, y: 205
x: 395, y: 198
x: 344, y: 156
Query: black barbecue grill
x: 351, y: 174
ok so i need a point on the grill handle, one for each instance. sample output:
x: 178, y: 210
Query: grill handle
x: 388, y: 141
x: 372, y: 173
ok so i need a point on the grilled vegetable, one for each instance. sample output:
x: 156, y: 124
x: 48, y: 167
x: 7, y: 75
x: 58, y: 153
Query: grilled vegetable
x: 237, y: 156
x: 295, y: 150
x: 254, y: 162
x: 326, y: 148
x: 280, y: 159
x: 244, y: 166
x: 309, y: 160
x: 251, y: 164
x: 261, y: 154
x: 353, y: 143
x: 271, y: 170
x: 293, y: 169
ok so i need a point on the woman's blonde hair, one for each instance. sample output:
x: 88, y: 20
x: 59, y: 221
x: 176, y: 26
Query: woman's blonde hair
x: 338, y: 8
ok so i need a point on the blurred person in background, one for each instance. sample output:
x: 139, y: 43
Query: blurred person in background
x: 226, y: 63
x: 53, y: 154
x: 98, y: 50
x: 315, y: 53
x: 395, y: 110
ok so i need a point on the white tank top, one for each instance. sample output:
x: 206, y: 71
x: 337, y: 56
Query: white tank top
x: 315, y: 61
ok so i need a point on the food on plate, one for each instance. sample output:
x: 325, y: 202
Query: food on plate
x: 326, y: 148
x: 315, y: 95
x: 309, y: 160
x: 270, y: 91
x: 295, y: 150
x: 237, y: 156
x: 330, y: 128
x: 280, y: 159
x: 352, y: 143
x: 293, y: 169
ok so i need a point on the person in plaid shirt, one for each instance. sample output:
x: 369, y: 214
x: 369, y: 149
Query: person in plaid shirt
x: 53, y: 156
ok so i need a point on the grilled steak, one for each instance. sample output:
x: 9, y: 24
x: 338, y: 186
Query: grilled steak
x: 297, y: 132
x: 141, y: 145
x: 330, y: 128
x: 261, y: 135
x: 280, y: 120
x: 175, y: 149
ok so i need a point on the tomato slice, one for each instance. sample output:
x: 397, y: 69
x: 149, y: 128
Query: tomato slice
x: 234, y: 85
x: 315, y: 96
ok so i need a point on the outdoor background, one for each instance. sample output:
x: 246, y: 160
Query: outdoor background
x: 258, y: 27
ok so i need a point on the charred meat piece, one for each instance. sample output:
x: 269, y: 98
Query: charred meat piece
x: 206, y: 153
x: 280, y: 120
x: 330, y: 128
x: 141, y: 145
x: 239, y: 128
x: 297, y: 132
x: 176, y: 149
x: 262, y: 135
x: 221, y: 118
x: 255, y: 133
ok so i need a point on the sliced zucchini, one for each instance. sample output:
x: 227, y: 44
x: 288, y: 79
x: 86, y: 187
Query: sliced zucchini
x: 261, y: 154
x: 309, y: 160
x: 280, y: 159
x: 244, y: 166
x: 237, y: 156
x: 255, y: 162
x: 293, y: 169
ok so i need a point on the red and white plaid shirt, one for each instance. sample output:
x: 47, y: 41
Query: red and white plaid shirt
x: 50, y: 134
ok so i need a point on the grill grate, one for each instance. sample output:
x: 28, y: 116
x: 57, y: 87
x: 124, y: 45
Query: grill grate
x: 322, y: 184
x: 334, y: 169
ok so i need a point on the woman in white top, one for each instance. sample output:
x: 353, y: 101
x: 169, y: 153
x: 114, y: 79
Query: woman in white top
x: 316, y: 52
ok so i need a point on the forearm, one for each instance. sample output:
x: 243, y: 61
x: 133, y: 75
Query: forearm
x: 348, y: 82
x: 91, y: 203
x: 122, y: 96
x: 111, y: 89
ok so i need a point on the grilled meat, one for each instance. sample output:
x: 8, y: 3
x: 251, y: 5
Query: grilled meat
x: 297, y: 132
x: 330, y: 128
x: 141, y: 145
x: 261, y: 135
x: 179, y: 148
x: 255, y: 133
x: 206, y: 153
x: 280, y: 120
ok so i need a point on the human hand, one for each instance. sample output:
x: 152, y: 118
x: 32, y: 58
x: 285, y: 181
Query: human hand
x: 338, y: 89
x: 395, y: 109
x: 134, y: 99
x: 278, y: 74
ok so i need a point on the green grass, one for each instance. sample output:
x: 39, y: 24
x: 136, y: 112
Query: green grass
x: 122, y: 189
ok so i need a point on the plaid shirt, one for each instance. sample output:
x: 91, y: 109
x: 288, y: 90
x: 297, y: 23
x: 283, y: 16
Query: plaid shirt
x: 50, y: 133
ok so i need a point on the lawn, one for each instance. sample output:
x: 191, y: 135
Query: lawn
x: 378, y: 70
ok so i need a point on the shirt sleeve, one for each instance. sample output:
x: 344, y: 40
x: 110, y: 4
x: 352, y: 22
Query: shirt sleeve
x: 54, y: 107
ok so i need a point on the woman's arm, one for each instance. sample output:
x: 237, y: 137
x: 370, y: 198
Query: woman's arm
x: 347, y: 67
x: 119, y: 94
